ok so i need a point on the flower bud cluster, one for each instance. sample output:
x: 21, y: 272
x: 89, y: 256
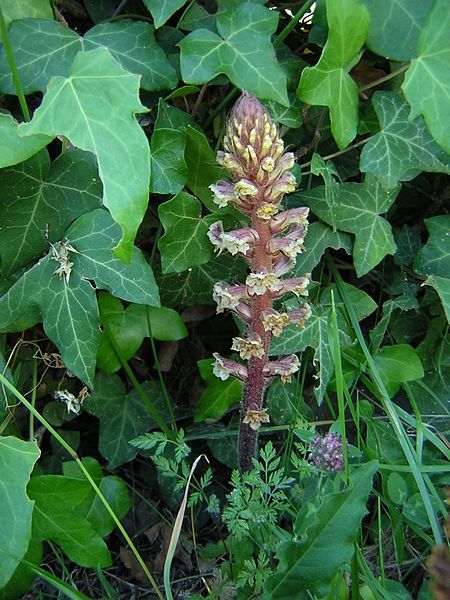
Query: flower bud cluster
x: 326, y: 452
x: 259, y: 167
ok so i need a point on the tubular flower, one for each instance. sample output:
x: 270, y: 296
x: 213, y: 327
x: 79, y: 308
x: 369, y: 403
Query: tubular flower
x: 238, y: 241
x: 255, y: 418
x: 248, y: 347
x: 255, y: 157
x: 284, y: 368
x: 296, y: 285
x: 299, y: 316
x: 228, y: 296
x: 262, y: 282
x: 290, y: 245
x: 274, y: 321
x: 224, y: 368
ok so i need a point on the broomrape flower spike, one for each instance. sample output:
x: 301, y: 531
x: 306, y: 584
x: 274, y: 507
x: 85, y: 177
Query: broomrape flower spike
x: 260, y: 176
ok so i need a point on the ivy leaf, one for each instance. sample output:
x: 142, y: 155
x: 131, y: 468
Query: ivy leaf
x: 433, y: 259
x: 129, y: 327
x: 133, y: 45
x: 409, y: 243
x: 26, y: 9
x: 16, y: 149
x: 218, y: 396
x: 310, y: 565
x: 203, y: 169
x: 397, y: 20
x: 168, y: 167
x: 93, y: 235
x: 427, y: 81
x: 92, y: 508
x: 46, y: 49
x: 17, y: 459
x: 357, y: 209
x: 39, y: 201
x: 317, y: 240
x: 401, y: 303
x: 328, y: 83
x: 403, y: 147
x: 242, y: 50
x: 397, y: 364
x: 75, y: 107
x: 69, y: 311
x: 315, y: 333
x: 122, y: 416
x: 162, y: 10
x: 56, y: 498
x: 195, y: 286
x: 184, y: 244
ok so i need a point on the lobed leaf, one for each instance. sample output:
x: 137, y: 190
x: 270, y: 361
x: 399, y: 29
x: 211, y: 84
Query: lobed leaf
x: 242, y: 50
x: 328, y: 83
x: 393, y: 21
x: 95, y: 108
x: 122, y: 416
x: 16, y: 149
x: 403, y: 148
x: 356, y: 209
x: 45, y: 49
x: 17, y: 460
x: 69, y: 311
x: 39, y: 201
x: 427, y: 81
x: 185, y: 243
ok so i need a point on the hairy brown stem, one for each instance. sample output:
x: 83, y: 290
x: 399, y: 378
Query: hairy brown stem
x: 253, y: 395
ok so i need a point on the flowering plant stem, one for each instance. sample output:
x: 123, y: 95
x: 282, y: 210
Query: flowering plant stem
x: 260, y: 170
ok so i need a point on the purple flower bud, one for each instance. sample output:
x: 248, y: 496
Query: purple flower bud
x: 290, y: 245
x: 296, y: 285
x: 237, y: 241
x: 299, y: 316
x: 326, y: 452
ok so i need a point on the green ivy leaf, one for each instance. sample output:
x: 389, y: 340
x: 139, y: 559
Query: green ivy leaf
x: 69, y: 311
x: 242, y: 51
x: 397, y: 364
x: 218, y: 396
x: 184, y: 244
x: 310, y: 565
x: 427, y: 81
x: 39, y: 201
x: 328, y: 83
x: 26, y: 9
x: 46, y: 49
x: 403, y: 147
x: 356, y: 209
x: 122, y: 416
x: 315, y: 333
x: 400, y: 303
x: 93, y: 235
x: 317, y: 240
x: 92, y: 508
x: 56, y: 498
x: 393, y: 21
x: 409, y: 243
x: 17, y: 459
x: 162, y: 10
x: 16, y: 149
x: 168, y: 168
x: 195, y: 286
x: 129, y: 327
x: 203, y: 169
x: 75, y: 107
x: 433, y: 259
